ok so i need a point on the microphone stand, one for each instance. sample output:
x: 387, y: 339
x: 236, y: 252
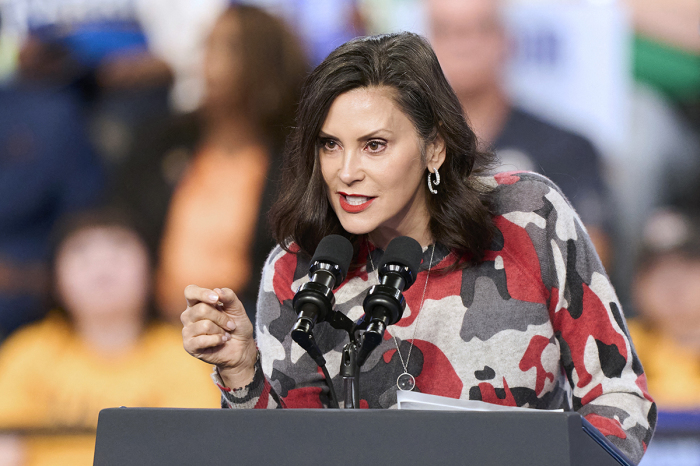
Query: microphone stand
x: 350, y: 363
x: 350, y: 372
x: 384, y: 305
x: 349, y: 367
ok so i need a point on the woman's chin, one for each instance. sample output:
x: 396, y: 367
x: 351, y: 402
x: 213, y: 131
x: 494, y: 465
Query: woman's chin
x: 354, y: 228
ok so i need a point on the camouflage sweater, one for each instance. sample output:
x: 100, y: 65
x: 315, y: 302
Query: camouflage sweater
x: 535, y: 324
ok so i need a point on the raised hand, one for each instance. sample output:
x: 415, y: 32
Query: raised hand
x: 216, y: 329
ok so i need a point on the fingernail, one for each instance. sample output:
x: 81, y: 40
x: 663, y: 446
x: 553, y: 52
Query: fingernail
x: 230, y: 324
x: 226, y: 337
x: 213, y: 297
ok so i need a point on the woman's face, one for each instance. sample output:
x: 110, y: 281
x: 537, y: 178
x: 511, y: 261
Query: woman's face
x: 101, y: 271
x: 371, y: 161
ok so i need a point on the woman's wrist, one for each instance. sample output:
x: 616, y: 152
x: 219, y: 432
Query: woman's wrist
x: 239, y: 376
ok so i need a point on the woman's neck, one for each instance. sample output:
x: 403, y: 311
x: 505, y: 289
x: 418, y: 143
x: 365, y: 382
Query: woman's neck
x: 413, y: 221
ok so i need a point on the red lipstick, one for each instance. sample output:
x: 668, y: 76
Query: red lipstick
x: 354, y: 208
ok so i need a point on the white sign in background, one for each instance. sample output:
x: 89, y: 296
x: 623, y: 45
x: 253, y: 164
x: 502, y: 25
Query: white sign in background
x: 571, y: 63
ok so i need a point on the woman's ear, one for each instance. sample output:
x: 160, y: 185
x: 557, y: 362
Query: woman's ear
x: 436, y: 153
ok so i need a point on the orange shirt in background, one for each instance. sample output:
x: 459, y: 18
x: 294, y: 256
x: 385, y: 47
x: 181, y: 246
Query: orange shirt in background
x: 210, y: 225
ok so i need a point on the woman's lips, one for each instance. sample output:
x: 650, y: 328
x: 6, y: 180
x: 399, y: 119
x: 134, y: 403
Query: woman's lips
x: 355, y: 204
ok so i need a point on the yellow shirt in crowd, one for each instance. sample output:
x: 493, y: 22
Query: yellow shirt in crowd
x: 673, y: 372
x: 49, y: 379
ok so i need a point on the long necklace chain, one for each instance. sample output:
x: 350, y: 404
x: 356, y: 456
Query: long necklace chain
x: 405, y: 380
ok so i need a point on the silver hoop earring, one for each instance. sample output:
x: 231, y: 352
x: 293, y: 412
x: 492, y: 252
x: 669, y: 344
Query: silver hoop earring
x: 431, y: 183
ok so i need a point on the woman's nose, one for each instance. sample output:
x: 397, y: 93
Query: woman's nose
x: 351, y: 170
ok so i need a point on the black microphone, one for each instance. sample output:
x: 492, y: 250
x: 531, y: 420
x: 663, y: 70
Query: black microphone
x: 384, y: 304
x: 314, y: 300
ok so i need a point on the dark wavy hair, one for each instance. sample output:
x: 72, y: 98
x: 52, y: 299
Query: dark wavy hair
x: 460, y: 214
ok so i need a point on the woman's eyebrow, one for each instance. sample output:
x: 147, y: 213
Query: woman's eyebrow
x: 369, y: 135
x: 374, y: 133
x: 323, y: 135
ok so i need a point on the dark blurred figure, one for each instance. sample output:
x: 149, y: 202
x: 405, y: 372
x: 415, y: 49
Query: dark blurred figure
x: 216, y: 233
x: 470, y: 41
x: 666, y: 293
x: 47, y: 169
x: 98, y: 348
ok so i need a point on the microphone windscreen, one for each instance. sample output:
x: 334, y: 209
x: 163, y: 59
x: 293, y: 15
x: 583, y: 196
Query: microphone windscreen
x: 404, y: 251
x: 335, y: 249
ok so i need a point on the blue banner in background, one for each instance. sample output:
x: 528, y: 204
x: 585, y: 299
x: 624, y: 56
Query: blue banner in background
x: 90, y: 30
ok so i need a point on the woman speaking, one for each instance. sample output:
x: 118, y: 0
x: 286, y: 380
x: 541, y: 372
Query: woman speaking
x: 511, y: 304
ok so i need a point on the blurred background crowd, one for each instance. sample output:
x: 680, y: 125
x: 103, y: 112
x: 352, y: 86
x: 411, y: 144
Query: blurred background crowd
x: 139, y: 150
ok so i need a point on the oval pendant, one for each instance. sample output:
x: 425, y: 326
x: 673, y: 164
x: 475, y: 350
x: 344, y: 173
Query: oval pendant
x: 406, y: 382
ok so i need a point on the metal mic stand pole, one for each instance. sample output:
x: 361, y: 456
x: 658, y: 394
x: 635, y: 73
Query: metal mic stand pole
x: 350, y: 372
x: 355, y: 353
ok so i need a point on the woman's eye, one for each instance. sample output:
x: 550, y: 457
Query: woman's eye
x: 375, y: 146
x: 329, y: 144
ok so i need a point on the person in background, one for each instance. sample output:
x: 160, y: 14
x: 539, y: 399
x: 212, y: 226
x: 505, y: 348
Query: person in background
x: 666, y: 292
x: 47, y: 169
x: 215, y: 232
x: 471, y: 43
x: 100, y: 348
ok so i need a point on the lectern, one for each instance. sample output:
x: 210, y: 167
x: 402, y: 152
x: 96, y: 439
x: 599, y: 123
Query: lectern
x: 154, y: 437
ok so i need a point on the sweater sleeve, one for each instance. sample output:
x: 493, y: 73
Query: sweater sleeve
x: 607, y: 381
x: 258, y: 394
x: 285, y: 376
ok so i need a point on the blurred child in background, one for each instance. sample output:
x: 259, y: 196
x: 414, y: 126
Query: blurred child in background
x: 667, y: 295
x: 100, y: 349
